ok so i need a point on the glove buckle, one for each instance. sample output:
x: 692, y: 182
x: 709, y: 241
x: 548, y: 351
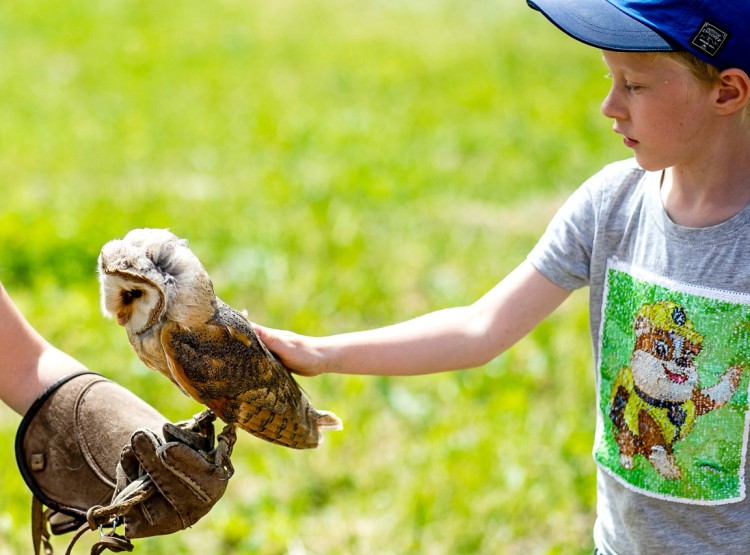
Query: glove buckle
x: 113, y: 523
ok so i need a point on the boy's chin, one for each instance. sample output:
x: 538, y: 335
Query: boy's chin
x: 649, y: 165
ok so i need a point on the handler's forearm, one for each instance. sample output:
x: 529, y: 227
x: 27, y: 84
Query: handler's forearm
x: 28, y: 363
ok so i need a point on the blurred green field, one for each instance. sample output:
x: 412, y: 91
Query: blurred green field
x: 336, y: 165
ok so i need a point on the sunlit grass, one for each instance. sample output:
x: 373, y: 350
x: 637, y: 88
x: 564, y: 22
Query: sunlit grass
x: 335, y: 165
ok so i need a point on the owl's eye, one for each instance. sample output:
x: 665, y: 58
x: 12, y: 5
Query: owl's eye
x: 131, y: 294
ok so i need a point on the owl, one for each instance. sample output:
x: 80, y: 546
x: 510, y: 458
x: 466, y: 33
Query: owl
x: 156, y: 288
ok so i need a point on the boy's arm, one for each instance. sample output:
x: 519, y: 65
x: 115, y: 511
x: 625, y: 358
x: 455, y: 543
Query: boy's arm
x: 28, y: 363
x: 451, y: 339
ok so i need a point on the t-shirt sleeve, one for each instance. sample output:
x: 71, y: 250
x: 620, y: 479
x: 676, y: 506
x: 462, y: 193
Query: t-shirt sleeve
x: 563, y: 254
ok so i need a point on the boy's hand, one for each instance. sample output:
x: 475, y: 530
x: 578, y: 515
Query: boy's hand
x: 297, y: 352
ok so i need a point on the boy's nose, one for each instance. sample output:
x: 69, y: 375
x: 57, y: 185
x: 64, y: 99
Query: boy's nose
x: 610, y: 108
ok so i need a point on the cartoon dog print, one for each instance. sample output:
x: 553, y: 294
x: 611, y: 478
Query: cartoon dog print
x: 656, y: 399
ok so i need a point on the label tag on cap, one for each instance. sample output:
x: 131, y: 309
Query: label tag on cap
x: 709, y: 39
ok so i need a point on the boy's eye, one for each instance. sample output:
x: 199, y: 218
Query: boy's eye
x: 627, y: 85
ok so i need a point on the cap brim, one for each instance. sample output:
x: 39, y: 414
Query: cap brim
x: 598, y: 23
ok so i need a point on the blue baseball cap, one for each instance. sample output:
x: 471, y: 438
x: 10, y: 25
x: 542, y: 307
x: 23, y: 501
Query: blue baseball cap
x: 717, y: 32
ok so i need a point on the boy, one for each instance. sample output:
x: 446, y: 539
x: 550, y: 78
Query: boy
x: 661, y: 242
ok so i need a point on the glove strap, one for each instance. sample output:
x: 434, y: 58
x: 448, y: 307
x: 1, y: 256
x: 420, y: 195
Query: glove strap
x: 98, y: 516
x: 39, y: 529
x: 112, y: 541
x: 137, y: 492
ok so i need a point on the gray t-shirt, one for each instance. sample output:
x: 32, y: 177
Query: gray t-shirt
x: 670, y: 326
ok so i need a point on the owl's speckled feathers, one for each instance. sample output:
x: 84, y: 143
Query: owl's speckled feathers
x: 157, y: 289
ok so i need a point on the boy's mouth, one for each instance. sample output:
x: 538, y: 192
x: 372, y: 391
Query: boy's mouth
x: 629, y: 142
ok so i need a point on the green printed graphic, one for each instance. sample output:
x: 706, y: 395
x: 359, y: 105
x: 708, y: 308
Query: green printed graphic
x: 674, y: 369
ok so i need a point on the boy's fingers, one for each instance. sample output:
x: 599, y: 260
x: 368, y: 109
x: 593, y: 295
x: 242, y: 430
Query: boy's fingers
x: 265, y: 334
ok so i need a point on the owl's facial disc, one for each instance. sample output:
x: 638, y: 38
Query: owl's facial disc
x: 134, y: 301
x: 127, y: 308
x: 140, y: 308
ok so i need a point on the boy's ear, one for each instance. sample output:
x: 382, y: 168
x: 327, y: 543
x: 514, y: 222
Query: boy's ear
x: 733, y: 91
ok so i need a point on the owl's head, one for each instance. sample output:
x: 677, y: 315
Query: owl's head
x: 150, y: 275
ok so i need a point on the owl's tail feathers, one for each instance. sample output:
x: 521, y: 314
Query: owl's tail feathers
x: 325, y: 420
x: 298, y: 430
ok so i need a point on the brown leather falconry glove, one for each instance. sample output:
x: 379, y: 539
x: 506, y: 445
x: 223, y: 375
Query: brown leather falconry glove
x: 99, y: 457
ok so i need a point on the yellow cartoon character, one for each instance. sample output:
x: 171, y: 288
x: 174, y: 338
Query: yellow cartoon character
x: 656, y: 399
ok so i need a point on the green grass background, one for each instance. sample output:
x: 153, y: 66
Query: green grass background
x: 336, y: 165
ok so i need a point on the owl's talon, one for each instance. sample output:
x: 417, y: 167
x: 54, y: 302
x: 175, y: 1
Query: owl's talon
x: 206, y: 415
x: 224, y: 447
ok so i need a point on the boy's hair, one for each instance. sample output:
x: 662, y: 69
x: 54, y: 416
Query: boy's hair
x: 704, y: 72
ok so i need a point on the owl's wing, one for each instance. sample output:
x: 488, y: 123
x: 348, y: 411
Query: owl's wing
x: 224, y: 366
x: 176, y: 372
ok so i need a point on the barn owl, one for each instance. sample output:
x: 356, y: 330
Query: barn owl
x: 156, y: 288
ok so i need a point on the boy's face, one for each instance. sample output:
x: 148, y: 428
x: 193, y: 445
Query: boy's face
x: 661, y: 109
